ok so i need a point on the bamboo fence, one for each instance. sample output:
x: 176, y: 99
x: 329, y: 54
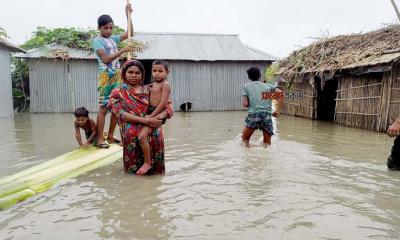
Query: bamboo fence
x: 305, y: 107
x: 358, y: 101
x: 393, y: 109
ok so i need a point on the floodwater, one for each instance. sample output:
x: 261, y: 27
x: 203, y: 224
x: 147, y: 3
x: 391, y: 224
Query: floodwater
x: 317, y: 181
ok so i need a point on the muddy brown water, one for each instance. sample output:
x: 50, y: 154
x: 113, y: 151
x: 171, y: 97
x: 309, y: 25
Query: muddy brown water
x: 317, y: 181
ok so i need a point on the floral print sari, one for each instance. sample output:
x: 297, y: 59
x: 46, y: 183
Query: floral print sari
x: 125, y: 99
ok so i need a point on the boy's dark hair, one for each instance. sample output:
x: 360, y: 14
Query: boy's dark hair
x: 254, y: 73
x: 161, y: 62
x: 81, y: 112
x: 104, y: 20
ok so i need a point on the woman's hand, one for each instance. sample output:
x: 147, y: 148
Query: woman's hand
x: 153, y: 122
x: 394, y: 129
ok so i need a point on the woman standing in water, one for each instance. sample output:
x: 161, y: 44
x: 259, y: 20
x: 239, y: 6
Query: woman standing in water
x: 129, y: 103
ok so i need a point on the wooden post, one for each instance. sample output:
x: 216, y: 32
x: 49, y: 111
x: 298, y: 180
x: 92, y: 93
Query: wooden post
x: 388, y: 92
x: 71, y: 86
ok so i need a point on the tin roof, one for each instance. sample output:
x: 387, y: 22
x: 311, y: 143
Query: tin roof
x: 171, y: 46
x: 7, y: 44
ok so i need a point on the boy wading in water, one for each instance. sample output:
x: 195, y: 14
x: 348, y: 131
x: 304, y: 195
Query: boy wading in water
x: 159, y: 95
x: 83, y: 121
x: 259, y: 108
x: 107, y: 53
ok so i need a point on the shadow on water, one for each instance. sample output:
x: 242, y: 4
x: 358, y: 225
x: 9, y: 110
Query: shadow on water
x: 316, y: 181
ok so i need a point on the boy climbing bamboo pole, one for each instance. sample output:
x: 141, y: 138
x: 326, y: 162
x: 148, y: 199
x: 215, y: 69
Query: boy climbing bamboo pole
x: 107, y: 54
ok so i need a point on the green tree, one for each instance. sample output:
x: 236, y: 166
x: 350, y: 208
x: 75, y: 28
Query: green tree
x: 69, y: 37
x: 270, y: 72
x: 20, y: 84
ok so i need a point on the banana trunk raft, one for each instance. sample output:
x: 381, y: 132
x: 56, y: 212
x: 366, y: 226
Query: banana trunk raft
x: 37, y: 179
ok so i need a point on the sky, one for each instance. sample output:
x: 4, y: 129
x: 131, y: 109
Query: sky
x: 277, y: 27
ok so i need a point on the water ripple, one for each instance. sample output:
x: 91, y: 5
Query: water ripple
x: 316, y: 181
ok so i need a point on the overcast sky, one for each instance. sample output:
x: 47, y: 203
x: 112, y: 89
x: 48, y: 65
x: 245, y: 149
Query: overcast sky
x: 274, y: 26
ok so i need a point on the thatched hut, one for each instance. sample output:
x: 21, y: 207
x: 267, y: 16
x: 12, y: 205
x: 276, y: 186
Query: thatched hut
x: 353, y: 80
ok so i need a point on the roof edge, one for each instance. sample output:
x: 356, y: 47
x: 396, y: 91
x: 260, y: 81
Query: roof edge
x: 7, y: 44
x: 185, y: 33
x: 273, y: 58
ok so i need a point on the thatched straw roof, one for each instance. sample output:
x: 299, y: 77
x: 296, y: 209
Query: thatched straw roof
x: 344, y: 52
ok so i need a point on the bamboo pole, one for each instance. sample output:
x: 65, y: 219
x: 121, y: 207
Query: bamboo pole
x: 383, y: 102
x: 358, y: 113
x: 363, y: 86
x: 388, y: 99
x: 130, y: 30
x: 396, y: 9
x: 360, y: 98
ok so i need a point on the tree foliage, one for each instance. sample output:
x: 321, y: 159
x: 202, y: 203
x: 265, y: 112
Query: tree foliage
x: 270, y: 72
x: 69, y: 37
x: 20, y: 84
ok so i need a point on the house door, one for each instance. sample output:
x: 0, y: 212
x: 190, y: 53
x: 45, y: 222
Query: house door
x: 326, y: 100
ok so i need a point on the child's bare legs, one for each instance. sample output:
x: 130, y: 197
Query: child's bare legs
x: 246, y: 135
x: 144, y: 144
x: 111, y: 129
x: 267, y: 138
x: 101, y: 117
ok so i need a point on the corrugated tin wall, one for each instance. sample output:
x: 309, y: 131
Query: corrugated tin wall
x: 55, y: 89
x: 84, y: 77
x: 6, y: 101
x: 209, y: 86
x: 49, y: 91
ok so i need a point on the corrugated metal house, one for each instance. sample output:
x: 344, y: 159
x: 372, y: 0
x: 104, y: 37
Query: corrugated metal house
x: 207, y: 70
x: 353, y: 80
x: 6, y: 101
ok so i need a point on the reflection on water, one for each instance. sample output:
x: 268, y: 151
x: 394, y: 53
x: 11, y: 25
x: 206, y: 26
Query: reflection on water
x: 316, y: 181
x: 32, y: 138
